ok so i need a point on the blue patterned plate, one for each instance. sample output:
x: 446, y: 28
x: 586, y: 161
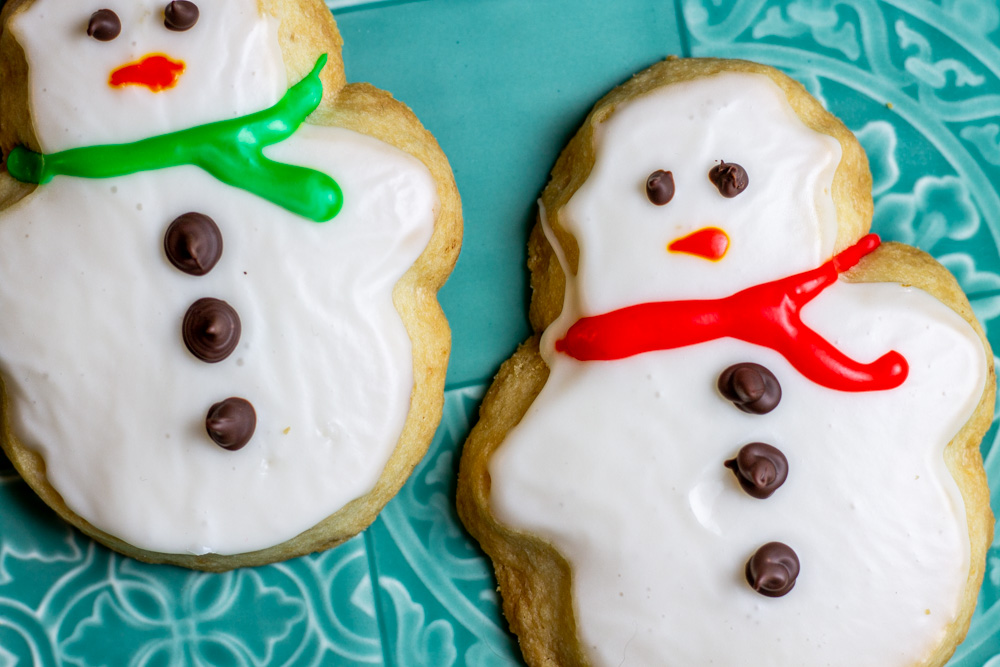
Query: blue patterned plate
x: 503, y: 84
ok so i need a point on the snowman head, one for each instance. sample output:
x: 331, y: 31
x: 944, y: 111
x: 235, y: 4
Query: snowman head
x: 705, y: 187
x: 113, y: 71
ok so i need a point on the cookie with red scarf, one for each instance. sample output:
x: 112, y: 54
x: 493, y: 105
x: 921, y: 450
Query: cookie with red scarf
x: 746, y: 431
x: 220, y: 343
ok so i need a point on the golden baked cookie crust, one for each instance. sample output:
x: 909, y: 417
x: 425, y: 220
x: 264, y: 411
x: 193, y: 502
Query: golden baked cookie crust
x: 306, y: 30
x: 534, y: 579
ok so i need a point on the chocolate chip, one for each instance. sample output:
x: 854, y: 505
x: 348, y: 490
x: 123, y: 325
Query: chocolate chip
x: 231, y: 423
x: 760, y: 469
x: 773, y: 569
x: 180, y: 15
x: 211, y: 329
x: 104, y: 25
x: 751, y: 387
x: 193, y: 243
x: 660, y: 187
x: 729, y: 177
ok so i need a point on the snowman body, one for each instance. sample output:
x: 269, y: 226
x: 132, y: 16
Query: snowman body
x: 619, y: 464
x: 98, y: 378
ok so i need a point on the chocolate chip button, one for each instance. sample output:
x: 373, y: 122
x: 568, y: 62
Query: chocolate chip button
x: 760, y: 469
x: 773, y: 569
x: 193, y: 243
x: 231, y: 423
x: 211, y: 329
x: 751, y: 387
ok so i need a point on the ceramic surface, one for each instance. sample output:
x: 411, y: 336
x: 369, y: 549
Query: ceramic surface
x: 503, y: 85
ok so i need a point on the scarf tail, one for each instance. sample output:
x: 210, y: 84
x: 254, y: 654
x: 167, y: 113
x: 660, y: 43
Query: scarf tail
x: 820, y: 361
x: 300, y: 190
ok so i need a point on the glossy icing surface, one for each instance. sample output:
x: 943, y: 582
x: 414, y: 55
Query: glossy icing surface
x: 95, y: 366
x: 118, y: 407
x: 620, y: 464
x: 326, y: 358
x: 784, y: 215
x: 232, y: 52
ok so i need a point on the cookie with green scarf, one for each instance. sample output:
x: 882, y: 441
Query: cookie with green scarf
x: 221, y: 344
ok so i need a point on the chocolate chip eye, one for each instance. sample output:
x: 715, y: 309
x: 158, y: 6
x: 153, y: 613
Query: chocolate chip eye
x: 104, y: 25
x: 660, y: 187
x: 730, y: 178
x: 180, y: 15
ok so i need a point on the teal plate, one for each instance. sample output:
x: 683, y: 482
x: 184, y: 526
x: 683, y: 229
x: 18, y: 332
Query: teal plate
x: 503, y: 84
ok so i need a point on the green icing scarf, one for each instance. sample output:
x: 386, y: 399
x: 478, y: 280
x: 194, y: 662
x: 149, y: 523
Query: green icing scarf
x: 230, y: 150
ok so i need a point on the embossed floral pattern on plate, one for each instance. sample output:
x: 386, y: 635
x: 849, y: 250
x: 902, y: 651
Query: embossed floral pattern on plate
x: 917, y: 80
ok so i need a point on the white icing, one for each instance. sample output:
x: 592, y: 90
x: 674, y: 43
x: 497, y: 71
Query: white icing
x: 785, y: 214
x: 620, y: 464
x: 102, y: 386
x: 232, y: 60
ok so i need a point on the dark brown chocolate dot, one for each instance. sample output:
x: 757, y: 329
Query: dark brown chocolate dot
x: 760, y: 469
x: 104, y: 25
x: 772, y: 570
x: 193, y: 243
x: 660, y: 187
x: 211, y: 329
x: 751, y: 387
x: 180, y: 15
x: 231, y: 423
x: 729, y: 177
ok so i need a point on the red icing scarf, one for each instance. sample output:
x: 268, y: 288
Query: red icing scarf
x: 766, y: 315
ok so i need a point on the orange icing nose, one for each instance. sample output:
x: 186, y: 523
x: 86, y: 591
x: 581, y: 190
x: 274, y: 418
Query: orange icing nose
x: 709, y: 243
x: 155, y: 71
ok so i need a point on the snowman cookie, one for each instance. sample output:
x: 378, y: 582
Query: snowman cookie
x: 747, y: 432
x: 220, y: 343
